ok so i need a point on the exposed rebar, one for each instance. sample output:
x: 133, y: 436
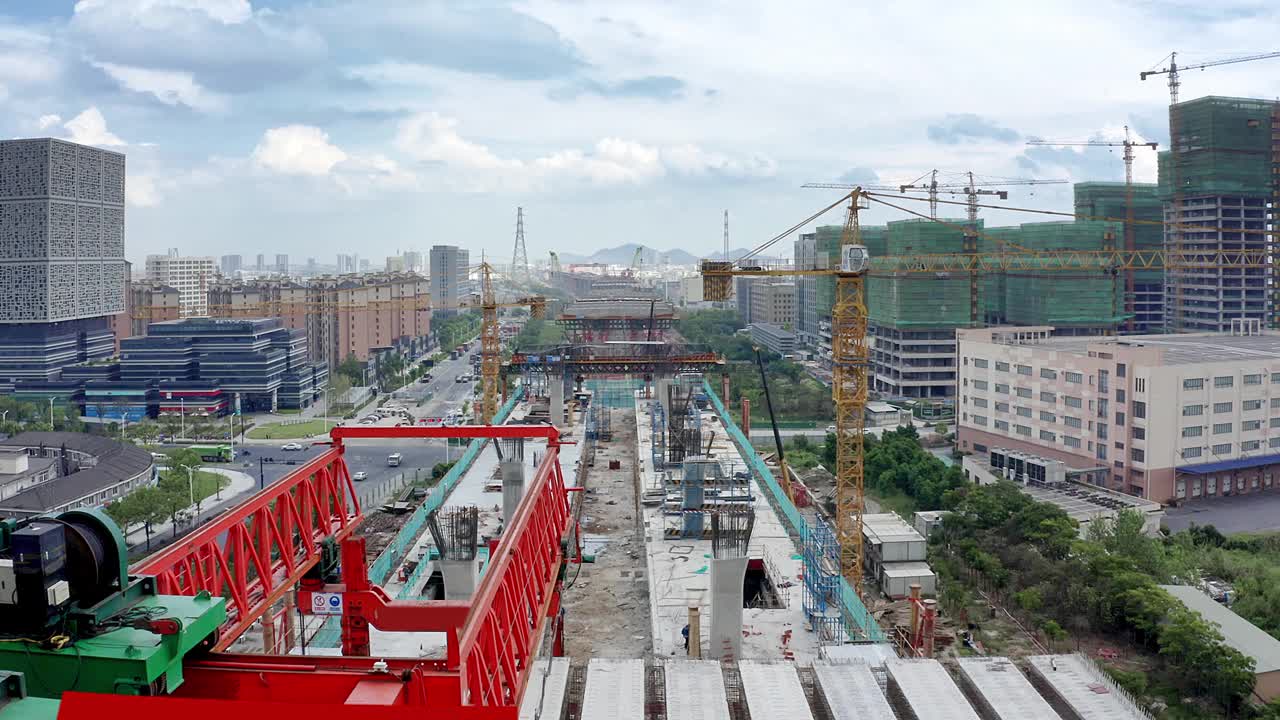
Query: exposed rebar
x: 455, y: 531
x: 731, y: 531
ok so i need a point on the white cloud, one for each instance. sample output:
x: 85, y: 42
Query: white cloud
x: 431, y: 138
x: 169, y: 87
x: 227, y: 12
x: 90, y: 128
x: 297, y: 150
x: 140, y: 191
x: 47, y: 121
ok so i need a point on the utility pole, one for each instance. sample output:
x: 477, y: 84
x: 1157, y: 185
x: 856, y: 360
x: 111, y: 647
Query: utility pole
x: 520, y: 258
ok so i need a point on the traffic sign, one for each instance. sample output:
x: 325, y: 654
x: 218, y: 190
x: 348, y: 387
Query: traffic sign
x: 326, y: 603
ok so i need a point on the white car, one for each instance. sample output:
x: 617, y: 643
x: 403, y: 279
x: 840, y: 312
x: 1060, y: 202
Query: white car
x: 291, y: 446
x: 831, y: 428
x: 359, y: 475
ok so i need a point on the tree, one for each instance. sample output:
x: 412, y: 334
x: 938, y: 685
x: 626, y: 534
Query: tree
x: 352, y: 369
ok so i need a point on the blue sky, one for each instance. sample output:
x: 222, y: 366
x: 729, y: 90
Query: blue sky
x: 328, y: 126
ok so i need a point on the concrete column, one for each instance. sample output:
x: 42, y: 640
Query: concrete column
x: 661, y: 384
x: 556, y: 393
x: 459, y: 578
x: 727, y: 576
x: 512, y: 487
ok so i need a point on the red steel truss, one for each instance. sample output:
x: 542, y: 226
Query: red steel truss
x: 491, y: 641
x: 259, y: 550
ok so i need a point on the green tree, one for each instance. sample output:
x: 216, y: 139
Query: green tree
x: 352, y: 369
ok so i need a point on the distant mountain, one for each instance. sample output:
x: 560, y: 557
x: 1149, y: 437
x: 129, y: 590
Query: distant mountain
x: 622, y: 255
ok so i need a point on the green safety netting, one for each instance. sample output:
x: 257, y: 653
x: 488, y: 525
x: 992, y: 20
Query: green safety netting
x: 921, y: 300
x: 1107, y: 200
x: 1088, y: 298
x: 1224, y: 148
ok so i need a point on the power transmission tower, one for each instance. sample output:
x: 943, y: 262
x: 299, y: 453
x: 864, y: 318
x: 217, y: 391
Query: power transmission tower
x: 726, y: 236
x: 520, y: 258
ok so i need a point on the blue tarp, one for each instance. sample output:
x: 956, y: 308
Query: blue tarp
x: 1228, y: 465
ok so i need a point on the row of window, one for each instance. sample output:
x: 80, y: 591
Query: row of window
x: 1225, y: 448
x: 1226, y: 381
x: 1226, y: 407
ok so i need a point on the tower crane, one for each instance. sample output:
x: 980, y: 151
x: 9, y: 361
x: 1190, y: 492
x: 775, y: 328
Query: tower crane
x: 1130, y: 242
x: 1175, y: 146
x: 636, y: 261
x: 969, y: 188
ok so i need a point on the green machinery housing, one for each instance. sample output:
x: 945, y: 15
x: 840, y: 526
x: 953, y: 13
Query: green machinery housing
x: 73, y: 619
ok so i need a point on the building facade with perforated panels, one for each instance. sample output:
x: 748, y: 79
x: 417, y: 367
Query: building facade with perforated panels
x: 62, y: 267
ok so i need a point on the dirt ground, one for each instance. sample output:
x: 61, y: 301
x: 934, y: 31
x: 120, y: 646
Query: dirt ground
x: 607, y: 601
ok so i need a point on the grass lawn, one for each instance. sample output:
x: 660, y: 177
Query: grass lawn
x: 205, y: 484
x: 280, y: 431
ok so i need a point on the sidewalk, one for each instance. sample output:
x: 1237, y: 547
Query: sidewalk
x: 240, y: 485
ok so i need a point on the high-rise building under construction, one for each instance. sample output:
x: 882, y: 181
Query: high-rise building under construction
x: 1220, y: 193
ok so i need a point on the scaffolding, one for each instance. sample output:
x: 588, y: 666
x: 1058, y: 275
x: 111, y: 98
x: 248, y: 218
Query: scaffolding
x: 1224, y: 148
x: 1086, y: 300
x: 684, y: 424
x: 658, y: 435
x: 1108, y: 200
x: 822, y: 593
x: 920, y: 300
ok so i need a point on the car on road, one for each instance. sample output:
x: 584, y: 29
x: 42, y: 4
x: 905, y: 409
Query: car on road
x: 831, y: 428
x: 291, y: 446
x: 359, y: 475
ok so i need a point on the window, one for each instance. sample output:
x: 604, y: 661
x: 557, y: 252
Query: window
x: 980, y: 362
x: 980, y: 420
x: 1248, y: 425
x: 1190, y: 410
x: 1048, y: 436
x: 1002, y: 388
x: 1024, y: 369
x: 1100, y: 451
x: 1075, y: 377
x: 1022, y: 430
x: 1022, y: 411
x: 1224, y: 381
x: 1023, y: 392
x: 980, y: 385
x: 1221, y: 428
x: 1046, y: 416
x: 1275, y: 378
x: 979, y: 402
x: 1048, y: 397
x: 1139, y: 433
x: 1002, y: 366
x: 1002, y: 407
x: 1071, y: 442
x: 1222, y: 407
x: 1048, y: 374
x: 1002, y: 425
x: 1193, y: 384
x: 1137, y: 455
x: 1120, y: 369
x: 1139, y: 385
x: 1138, y: 408
x: 1222, y: 449
x: 1074, y: 402
x: 1193, y: 431
x: 1274, y: 442
x: 1119, y: 395
x: 1119, y: 418
x: 1191, y: 452
x: 1275, y: 423
x: 1071, y: 421
x: 1253, y: 379
x: 1249, y: 405
x: 1249, y: 445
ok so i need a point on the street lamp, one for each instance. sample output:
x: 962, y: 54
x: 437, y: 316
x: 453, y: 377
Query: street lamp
x: 191, y: 485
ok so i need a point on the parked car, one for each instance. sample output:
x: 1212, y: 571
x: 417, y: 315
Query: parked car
x: 291, y: 446
x: 359, y: 475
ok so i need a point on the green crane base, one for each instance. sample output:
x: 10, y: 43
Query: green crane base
x: 122, y: 660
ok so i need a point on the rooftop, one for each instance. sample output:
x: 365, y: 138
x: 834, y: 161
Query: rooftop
x: 1085, y: 502
x: 1188, y: 349
x: 1237, y: 632
x: 116, y: 462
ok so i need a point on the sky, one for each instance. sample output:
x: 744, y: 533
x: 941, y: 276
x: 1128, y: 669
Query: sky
x: 372, y: 127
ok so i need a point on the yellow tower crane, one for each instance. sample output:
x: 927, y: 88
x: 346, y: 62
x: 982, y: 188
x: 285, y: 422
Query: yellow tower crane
x: 850, y: 351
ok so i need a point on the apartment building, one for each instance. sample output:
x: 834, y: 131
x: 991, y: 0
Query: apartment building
x: 151, y: 301
x: 361, y: 314
x: 449, y: 273
x: 1164, y: 417
x: 264, y: 297
x: 191, y: 275
x: 231, y: 264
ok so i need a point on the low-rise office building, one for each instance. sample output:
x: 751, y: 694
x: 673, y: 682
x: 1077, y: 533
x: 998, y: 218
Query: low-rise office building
x: 1164, y: 417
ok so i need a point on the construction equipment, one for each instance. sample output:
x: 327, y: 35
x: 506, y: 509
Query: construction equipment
x: 490, y: 346
x: 98, y: 641
x: 1177, y: 145
x: 555, y: 263
x: 72, y: 617
x: 1129, y: 230
x: 773, y: 421
x: 636, y: 261
x: 969, y: 188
